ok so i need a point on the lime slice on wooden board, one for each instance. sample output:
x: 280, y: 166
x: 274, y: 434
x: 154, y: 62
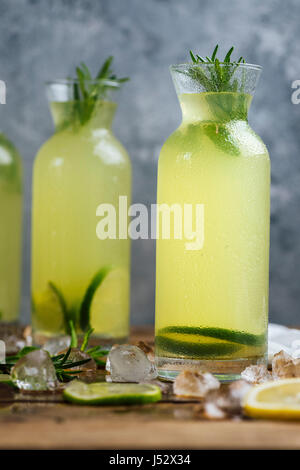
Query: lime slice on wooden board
x: 101, y: 393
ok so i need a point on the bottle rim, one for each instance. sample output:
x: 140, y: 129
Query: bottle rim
x: 72, y: 81
x: 246, y: 65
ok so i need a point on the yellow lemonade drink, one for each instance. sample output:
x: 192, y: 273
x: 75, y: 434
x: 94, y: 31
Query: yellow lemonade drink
x: 75, y: 275
x: 212, y: 302
x: 10, y: 230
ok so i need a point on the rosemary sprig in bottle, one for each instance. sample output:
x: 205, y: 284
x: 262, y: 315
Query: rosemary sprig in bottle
x: 88, y: 90
x: 220, y: 73
x: 225, y: 97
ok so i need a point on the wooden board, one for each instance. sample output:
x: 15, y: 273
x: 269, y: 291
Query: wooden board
x: 26, y: 424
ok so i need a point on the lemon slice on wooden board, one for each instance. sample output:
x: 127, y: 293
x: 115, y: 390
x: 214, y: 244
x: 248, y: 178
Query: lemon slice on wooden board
x: 102, y: 393
x: 278, y: 399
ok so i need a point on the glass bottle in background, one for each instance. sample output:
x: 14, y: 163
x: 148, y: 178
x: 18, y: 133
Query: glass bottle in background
x: 75, y: 275
x: 11, y: 198
x: 212, y: 301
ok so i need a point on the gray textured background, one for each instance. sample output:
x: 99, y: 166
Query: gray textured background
x: 40, y: 40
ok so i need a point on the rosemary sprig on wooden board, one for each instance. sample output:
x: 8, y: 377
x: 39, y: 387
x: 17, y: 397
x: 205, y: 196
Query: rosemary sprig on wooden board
x: 61, y: 362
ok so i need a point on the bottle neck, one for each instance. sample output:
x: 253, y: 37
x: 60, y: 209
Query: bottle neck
x: 214, y: 106
x: 77, y: 115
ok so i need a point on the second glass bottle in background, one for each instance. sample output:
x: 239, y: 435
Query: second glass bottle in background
x: 11, y: 196
x: 75, y: 275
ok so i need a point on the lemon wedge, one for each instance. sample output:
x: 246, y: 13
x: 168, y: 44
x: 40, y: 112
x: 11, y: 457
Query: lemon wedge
x: 279, y: 399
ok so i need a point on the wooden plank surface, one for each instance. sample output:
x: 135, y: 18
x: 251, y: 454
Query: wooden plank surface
x: 28, y: 424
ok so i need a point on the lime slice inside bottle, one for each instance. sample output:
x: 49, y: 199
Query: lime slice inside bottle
x: 104, y: 302
x: 49, y: 310
x: 210, y: 342
x: 101, y: 393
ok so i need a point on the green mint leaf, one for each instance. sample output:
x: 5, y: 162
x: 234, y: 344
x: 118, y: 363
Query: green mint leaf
x: 213, y: 56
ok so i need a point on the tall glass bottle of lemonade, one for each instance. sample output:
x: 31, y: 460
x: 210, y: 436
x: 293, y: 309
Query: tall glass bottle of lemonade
x: 76, y: 276
x: 212, y: 282
x: 10, y: 230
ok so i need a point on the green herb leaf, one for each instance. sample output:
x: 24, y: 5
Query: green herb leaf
x: 84, y: 319
x: 213, y: 56
x: 105, y: 70
x: 219, y: 73
x: 227, y: 57
x: 88, y: 91
x: 61, y: 301
x: 74, y: 341
x: 86, y: 339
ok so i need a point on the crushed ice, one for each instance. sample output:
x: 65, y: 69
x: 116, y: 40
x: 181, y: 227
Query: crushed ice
x: 226, y: 402
x: 256, y: 374
x: 191, y: 383
x: 285, y: 366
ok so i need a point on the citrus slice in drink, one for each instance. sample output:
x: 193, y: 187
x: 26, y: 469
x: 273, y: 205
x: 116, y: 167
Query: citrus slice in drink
x: 209, y: 342
x: 49, y: 309
x: 102, y: 393
x: 104, y: 301
x: 278, y: 399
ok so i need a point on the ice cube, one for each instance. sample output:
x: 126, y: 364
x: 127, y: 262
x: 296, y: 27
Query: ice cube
x: 212, y: 410
x: 256, y: 374
x: 237, y: 391
x: 14, y: 344
x: 57, y: 344
x: 226, y: 402
x: 15, y: 338
x: 148, y: 350
x: 128, y: 363
x: 35, y: 371
x: 191, y: 383
x: 285, y: 366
